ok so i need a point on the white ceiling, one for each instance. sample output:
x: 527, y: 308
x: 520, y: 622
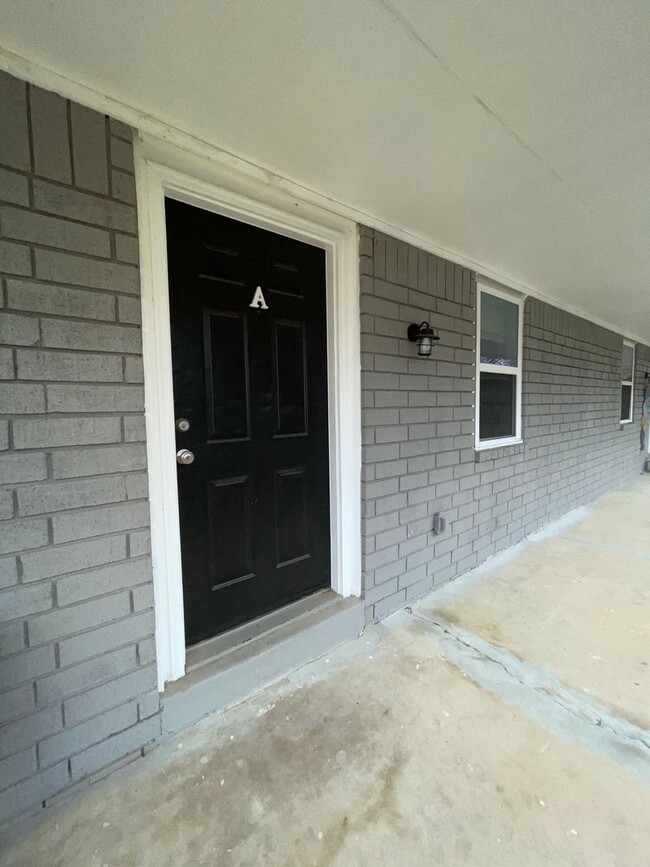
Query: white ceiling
x: 515, y: 133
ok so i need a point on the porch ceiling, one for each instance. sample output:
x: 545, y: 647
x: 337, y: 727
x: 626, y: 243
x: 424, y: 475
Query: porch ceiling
x: 514, y: 135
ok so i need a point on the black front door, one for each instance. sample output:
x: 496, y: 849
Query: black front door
x: 250, y: 397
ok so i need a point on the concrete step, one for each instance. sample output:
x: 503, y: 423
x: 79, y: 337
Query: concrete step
x: 241, y: 671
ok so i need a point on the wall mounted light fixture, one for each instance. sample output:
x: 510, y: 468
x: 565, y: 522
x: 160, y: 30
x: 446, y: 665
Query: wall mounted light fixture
x: 423, y: 335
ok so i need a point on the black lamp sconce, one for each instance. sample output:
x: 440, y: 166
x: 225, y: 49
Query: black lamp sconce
x: 423, y: 335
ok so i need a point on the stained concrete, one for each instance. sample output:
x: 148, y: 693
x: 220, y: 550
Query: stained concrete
x: 429, y: 741
x: 574, y: 600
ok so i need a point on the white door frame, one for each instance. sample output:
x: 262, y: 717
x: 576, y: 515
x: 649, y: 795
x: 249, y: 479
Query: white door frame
x: 165, y: 171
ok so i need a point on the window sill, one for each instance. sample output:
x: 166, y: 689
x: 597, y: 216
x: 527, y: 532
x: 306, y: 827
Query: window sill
x: 627, y: 421
x: 490, y: 451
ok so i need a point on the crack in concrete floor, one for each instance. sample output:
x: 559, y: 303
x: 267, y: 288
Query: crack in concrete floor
x: 538, y: 692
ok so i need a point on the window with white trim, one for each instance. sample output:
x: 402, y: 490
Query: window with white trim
x: 498, y: 377
x: 627, y: 382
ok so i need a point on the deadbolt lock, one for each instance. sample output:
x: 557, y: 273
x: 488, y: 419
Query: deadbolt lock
x: 182, y: 425
x: 185, y: 457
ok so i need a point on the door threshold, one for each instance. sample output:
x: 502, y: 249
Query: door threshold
x: 287, y: 639
x: 208, y: 650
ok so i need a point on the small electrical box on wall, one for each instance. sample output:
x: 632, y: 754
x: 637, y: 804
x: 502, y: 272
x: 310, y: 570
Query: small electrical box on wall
x: 439, y: 523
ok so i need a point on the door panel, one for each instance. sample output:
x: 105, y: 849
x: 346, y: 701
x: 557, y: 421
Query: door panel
x: 254, y: 505
x: 226, y: 375
x: 291, y: 387
x: 230, y: 530
x: 291, y: 516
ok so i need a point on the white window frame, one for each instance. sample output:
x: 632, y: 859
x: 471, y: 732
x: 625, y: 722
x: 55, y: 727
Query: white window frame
x: 629, y: 382
x: 517, y: 371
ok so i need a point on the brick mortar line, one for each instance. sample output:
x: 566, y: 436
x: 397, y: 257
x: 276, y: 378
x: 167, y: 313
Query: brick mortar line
x: 61, y: 317
x: 57, y: 383
x: 104, y: 197
x: 52, y: 641
x: 71, y: 414
x: 58, y: 512
x: 48, y: 483
x: 95, y: 353
x: 28, y: 209
x: 65, y: 251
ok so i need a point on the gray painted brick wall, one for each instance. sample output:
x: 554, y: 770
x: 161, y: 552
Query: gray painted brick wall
x: 418, y: 425
x: 77, y: 668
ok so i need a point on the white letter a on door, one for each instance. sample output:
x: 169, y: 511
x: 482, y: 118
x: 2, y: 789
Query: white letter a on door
x: 258, y: 300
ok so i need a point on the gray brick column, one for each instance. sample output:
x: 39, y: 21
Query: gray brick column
x: 77, y: 667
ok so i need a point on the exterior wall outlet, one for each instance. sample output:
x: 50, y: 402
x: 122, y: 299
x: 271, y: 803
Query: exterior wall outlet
x: 439, y: 523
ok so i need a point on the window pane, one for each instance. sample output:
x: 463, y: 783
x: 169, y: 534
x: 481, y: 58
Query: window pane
x: 628, y: 362
x: 626, y: 402
x: 499, y: 331
x: 497, y: 406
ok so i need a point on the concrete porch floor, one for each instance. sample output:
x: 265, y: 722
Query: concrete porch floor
x: 502, y: 721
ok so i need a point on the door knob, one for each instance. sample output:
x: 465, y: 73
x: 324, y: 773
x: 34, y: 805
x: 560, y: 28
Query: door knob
x: 185, y: 457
